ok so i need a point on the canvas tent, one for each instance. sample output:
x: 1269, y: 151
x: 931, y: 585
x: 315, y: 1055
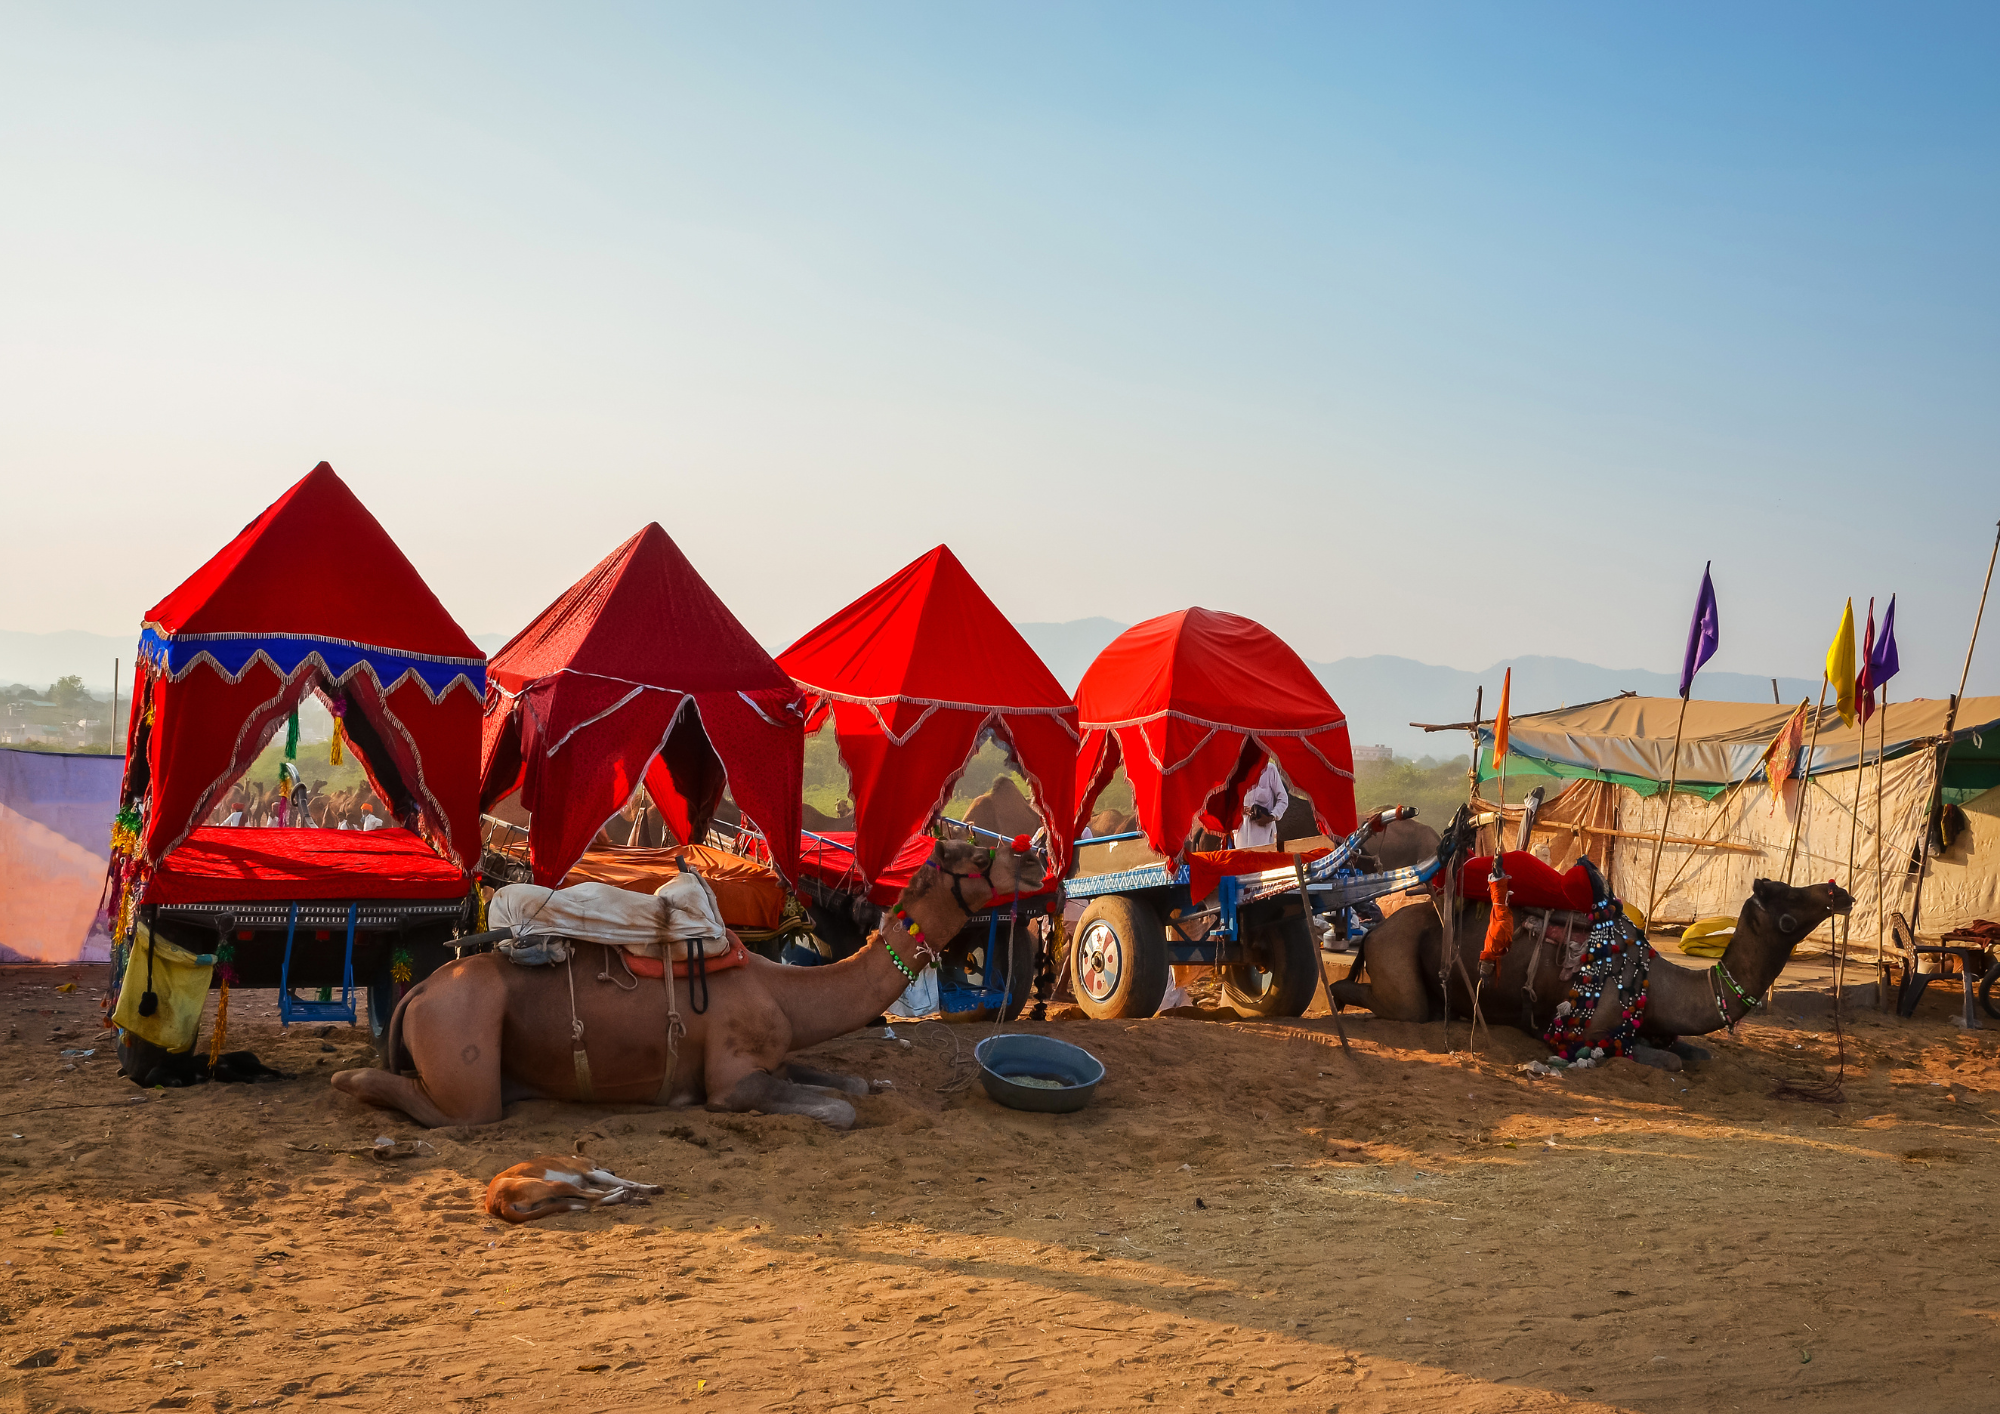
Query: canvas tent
x: 913, y: 673
x: 1617, y: 756
x: 311, y: 597
x: 640, y: 672
x: 1192, y: 703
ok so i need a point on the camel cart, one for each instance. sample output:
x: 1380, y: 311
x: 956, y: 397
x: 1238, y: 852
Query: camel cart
x: 1131, y: 927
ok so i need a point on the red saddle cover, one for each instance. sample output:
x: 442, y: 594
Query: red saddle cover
x: 1533, y: 884
x: 655, y: 967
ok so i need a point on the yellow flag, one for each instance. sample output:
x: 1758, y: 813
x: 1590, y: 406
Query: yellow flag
x: 1840, y: 664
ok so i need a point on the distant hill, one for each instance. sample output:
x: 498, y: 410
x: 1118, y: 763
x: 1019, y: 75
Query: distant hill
x: 1069, y: 648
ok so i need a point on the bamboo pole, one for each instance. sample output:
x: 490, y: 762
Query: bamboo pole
x: 1666, y: 813
x: 1881, y: 903
x: 1805, y: 777
x: 1950, y: 725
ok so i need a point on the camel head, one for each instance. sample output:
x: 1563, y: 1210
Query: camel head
x: 1783, y: 915
x: 979, y: 873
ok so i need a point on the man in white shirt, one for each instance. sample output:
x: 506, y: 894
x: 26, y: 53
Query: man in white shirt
x: 1264, y: 806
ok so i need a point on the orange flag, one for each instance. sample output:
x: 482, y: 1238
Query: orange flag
x: 1782, y: 755
x: 1500, y: 722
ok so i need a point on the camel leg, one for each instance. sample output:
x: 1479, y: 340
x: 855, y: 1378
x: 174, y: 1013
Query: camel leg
x: 773, y: 1094
x: 452, y: 1038
x: 1655, y: 1057
x: 825, y: 1079
x: 1395, y: 990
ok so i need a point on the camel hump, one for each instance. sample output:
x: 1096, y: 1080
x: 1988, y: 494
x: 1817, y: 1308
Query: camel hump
x: 1004, y: 810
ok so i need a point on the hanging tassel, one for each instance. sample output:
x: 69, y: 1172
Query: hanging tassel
x: 326, y: 994
x: 339, y: 739
x: 292, y: 736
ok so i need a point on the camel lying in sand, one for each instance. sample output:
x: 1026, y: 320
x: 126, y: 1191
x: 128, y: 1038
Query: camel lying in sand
x: 1404, y: 956
x: 483, y: 1031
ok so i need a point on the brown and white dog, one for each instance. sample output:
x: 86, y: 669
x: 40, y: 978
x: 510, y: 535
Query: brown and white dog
x: 547, y: 1185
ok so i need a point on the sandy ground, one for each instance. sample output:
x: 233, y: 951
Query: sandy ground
x: 1247, y: 1217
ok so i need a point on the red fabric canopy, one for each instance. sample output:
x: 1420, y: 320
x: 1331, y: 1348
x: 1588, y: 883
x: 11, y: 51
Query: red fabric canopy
x: 221, y: 864
x: 640, y: 671
x: 313, y: 595
x: 913, y: 672
x: 1192, y: 703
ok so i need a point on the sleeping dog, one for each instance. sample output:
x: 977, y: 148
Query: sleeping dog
x: 547, y: 1185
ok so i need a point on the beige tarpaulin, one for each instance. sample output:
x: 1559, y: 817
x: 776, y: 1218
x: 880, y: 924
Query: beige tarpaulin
x: 1701, y: 880
x: 1723, y: 741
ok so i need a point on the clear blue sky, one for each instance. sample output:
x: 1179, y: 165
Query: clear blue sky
x: 1449, y: 331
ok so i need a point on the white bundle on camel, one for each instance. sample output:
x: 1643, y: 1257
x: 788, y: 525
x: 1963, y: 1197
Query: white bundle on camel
x: 679, y: 915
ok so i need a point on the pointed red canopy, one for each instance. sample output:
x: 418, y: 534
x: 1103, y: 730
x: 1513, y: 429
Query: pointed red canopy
x: 639, y: 670
x: 312, y: 595
x: 1192, y: 703
x: 913, y: 671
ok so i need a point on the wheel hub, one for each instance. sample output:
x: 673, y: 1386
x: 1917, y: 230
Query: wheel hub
x: 1101, y: 962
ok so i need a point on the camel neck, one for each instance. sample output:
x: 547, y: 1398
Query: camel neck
x: 1752, y: 961
x: 824, y: 1002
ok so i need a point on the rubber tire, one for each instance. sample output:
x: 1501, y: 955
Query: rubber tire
x: 1142, y: 943
x: 1288, y: 946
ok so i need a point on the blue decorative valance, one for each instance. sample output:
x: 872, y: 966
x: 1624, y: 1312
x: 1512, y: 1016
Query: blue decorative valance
x: 231, y: 654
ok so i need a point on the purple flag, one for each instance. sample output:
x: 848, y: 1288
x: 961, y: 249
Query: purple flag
x: 1703, y: 634
x: 1882, y: 663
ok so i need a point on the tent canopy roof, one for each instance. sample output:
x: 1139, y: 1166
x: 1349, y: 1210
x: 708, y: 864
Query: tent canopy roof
x: 927, y: 633
x: 644, y: 615
x: 591, y: 698
x: 913, y: 672
x: 1200, y: 663
x: 1630, y: 741
x: 1190, y: 702
x: 315, y: 572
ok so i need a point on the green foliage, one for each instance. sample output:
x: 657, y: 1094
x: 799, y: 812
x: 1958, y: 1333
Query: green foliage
x: 69, y: 692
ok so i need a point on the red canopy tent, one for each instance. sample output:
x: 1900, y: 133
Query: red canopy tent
x: 312, y: 596
x: 1192, y: 703
x: 913, y: 672
x: 640, y: 672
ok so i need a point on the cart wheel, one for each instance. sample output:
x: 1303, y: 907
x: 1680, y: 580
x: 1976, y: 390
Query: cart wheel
x: 1118, y: 961
x: 1986, y: 988
x: 1282, y: 973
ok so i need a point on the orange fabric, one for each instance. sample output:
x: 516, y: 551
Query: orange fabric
x: 1500, y: 927
x: 748, y: 893
x: 652, y: 966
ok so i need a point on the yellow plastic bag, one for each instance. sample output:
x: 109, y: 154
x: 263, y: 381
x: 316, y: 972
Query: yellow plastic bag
x: 1709, y: 938
x: 177, y: 977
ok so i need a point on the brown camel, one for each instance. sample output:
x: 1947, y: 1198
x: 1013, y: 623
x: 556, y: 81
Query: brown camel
x: 1003, y: 810
x: 1404, y: 954
x: 483, y: 1031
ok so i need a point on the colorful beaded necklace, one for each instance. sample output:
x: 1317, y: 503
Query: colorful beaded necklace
x: 1603, y: 965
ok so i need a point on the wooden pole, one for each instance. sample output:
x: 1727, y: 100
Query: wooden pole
x: 1776, y: 701
x: 1666, y: 813
x: 1951, y: 725
x: 1805, y: 779
x: 1881, y: 903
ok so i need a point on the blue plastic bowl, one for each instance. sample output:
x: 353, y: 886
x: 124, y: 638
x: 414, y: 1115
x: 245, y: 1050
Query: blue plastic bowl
x: 1045, y: 1058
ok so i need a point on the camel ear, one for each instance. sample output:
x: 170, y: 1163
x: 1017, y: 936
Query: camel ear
x: 1765, y: 891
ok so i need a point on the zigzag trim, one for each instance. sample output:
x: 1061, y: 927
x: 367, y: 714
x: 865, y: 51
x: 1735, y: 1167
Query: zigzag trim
x: 156, y: 651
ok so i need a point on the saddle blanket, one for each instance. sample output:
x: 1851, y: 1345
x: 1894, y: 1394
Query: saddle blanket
x: 653, y: 967
x: 681, y: 914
